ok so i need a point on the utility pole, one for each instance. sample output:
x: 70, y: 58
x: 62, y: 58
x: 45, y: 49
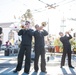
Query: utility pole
x: 63, y: 24
x: 48, y: 25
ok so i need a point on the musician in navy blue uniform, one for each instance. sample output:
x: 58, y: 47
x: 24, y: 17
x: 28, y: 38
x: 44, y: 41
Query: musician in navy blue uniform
x: 39, y: 48
x: 25, y: 48
x: 66, y: 48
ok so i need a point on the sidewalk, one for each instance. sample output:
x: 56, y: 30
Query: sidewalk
x: 8, y: 64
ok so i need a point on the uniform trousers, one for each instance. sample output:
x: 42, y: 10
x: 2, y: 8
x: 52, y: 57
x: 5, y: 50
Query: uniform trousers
x: 39, y: 51
x: 24, y: 50
x: 64, y: 56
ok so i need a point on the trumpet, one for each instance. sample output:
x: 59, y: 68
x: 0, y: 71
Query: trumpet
x: 22, y: 26
x: 43, y: 24
x: 72, y: 29
x: 69, y: 31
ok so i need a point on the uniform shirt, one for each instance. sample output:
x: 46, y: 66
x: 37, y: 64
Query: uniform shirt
x: 26, y: 36
x: 66, y: 43
x: 39, y: 37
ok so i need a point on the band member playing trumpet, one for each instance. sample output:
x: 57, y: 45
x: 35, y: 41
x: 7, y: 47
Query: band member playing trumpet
x: 39, y: 48
x: 25, y: 48
x: 66, y: 48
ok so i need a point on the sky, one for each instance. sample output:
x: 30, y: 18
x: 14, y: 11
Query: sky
x: 66, y: 9
x: 9, y: 8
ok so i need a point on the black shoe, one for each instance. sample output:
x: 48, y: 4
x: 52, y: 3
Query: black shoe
x: 61, y: 66
x: 35, y: 71
x: 71, y: 67
x: 15, y: 71
x: 26, y: 72
x: 44, y: 71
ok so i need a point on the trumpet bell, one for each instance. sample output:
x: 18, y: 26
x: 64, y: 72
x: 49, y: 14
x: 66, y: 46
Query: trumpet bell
x: 43, y: 24
x: 72, y: 29
x: 22, y: 26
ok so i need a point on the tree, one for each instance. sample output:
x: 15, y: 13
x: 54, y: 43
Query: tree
x: 27, y: 16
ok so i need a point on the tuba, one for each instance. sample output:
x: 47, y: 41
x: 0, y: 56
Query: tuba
x: 43, y: 24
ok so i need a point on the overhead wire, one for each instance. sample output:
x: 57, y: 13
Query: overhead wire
x: 55, y: 4
x: 63, y: 2
x: 66, y: 2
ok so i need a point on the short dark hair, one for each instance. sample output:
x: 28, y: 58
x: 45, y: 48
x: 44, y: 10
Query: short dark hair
x: 60, y: 32
x: 36, y: 25
x: 27, y: 22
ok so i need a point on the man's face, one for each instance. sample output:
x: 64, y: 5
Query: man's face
x: 61, y: 34
x: 37, y: 27
x: 27, y: 26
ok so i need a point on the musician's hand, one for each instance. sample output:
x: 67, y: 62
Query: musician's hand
x: 41, y: 28
x: 66, y: 32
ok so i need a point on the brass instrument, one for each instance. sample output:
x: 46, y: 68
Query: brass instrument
x: 70, y: 30
x: 22, y: 26
x: 43, y: 24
